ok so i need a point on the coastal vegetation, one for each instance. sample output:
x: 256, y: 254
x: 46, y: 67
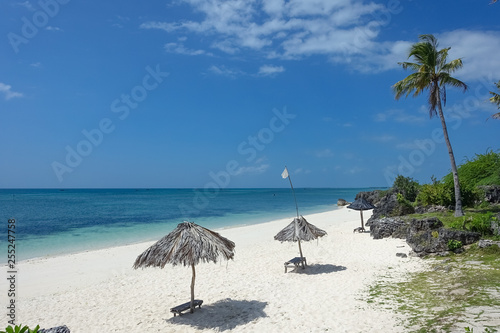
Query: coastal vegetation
x: 477, y: 175
x: 458, y: 290
x: 431, y: 72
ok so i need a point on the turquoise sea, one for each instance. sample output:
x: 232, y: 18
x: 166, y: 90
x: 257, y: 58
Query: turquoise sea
x: 53, y: 221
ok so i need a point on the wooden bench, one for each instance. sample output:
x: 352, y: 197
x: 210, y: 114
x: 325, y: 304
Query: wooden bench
x: 186, y: 306
x: 295, y: 262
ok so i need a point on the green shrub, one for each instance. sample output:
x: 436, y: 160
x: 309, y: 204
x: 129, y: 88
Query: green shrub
x: 407, y: 187
x: 458, y: 224
x: 20, y: 329
x: 481, y: 223
x: 471, y: 195
x: 483, y: 169
x: 454, y: 244
x: 436, y: 194
x: 404, y: 206
x: 442, y: 193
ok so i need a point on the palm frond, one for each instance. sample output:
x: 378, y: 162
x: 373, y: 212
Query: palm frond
x: 442, y: 56
x: 452, y: 66
x: 496, y: 97
x: 299, y: 229
x: 410, y: 65
x: 188, y: 244
x: 431, y: 72
x: 424, y: 54
x: 446, y: 79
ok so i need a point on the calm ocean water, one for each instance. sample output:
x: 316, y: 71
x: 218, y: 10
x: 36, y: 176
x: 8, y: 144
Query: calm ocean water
x: 51, y: 222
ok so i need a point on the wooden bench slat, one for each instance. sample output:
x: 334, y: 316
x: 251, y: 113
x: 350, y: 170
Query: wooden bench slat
x: 296, y: 262
x: 186, y: 306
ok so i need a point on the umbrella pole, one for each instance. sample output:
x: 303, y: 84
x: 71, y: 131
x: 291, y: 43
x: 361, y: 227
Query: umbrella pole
x: 301, y: 256
x: 362, y: 225
x: 293, y: 191
x: 192, y: 288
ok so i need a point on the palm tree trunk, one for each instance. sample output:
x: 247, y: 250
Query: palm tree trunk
x: 192, y: 288
x: 458, y: 198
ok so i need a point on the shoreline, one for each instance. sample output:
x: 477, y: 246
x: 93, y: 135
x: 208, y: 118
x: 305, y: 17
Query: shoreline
x: 108, y: 245
x: 99, y: 289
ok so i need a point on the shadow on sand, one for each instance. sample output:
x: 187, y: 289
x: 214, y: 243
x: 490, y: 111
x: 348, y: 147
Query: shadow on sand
x: 223, y: 315
x: 319, y: 269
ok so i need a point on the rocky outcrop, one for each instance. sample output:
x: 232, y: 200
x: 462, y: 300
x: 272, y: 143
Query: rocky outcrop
x: 430, y: 209
x: 388, y: 227
x: 428, y: 236
x: 342, y: 202
x: 491, y: 193
x: 424, y: 236
x: 486, y: 243
x: 386, y: 205
x: 372, y: 197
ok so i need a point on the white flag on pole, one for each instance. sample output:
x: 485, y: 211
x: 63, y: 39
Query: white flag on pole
x: 285, y: 173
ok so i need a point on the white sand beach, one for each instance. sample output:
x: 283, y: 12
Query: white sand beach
x: 99, y: 291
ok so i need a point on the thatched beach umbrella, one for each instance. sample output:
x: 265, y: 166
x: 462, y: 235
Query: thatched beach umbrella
x: 361, y: 204
x: 299, y: 230
x: 188, y: 244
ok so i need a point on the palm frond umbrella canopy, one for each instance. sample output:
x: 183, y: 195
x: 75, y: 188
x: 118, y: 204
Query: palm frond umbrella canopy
x: 188, y: 244
x: 361, y: 204
x: 299, y: 230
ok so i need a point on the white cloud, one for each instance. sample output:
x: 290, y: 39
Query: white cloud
x: 325, y: 153
x: 354, y: 170
x: 344, y: 31
x: 267, y: 70
x: 399, y: 116
x: 181, y: 49
x: 7, y: 91
x: 301, y: 170
x: 51, y: 28
x: 222, y: 70
x: 281, y: 29
x: 383, y: 138
x: 259, y: 169
x: 479, y: 51
x: 407, y: 145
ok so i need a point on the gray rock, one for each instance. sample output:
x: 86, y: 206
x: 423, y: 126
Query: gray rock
x: 342, y: 202
x: 388, y: 227
x: 446, y: 268
x: 401, y: 255
x: 430, y: 209
x: 373, y: 197
x: 486, y: 242
x: 385, y: 207
x: 428, y: 236
x: 491, y: 193
x: 495, y: 226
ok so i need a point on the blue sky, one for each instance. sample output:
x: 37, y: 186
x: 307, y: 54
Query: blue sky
x: 197, y: 93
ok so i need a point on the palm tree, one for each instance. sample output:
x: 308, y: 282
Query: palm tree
x: 496, y: 100
x: 432, y: 72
